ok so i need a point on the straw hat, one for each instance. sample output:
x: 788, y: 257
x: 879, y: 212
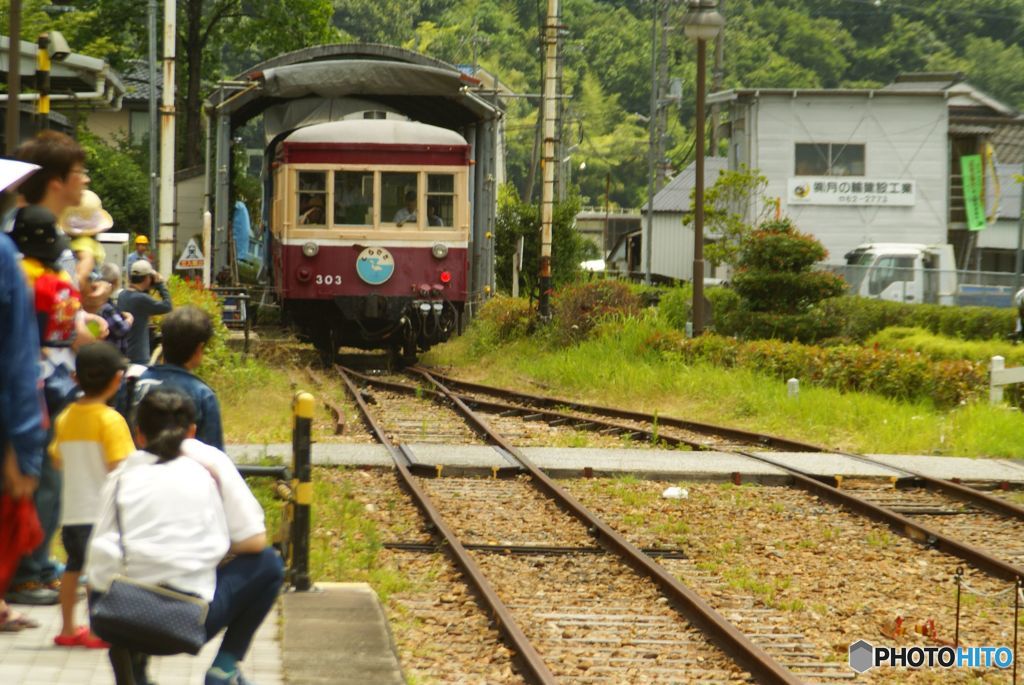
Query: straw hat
x: 88, y: 218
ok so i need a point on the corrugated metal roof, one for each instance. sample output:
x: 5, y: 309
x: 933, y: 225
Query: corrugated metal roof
x: 1010, y: 191
x: 675, y: 197
x: 1008, y: 141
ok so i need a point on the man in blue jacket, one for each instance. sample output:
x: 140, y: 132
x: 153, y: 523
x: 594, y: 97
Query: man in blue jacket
x: 186, y: 332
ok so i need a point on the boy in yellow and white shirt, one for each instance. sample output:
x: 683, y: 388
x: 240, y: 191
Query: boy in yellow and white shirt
x: 90, y: 440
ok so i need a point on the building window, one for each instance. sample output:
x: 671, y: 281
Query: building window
x: 829, y: 159
x: 440, y: 200
x: 138, y: 126
x: 312, y: 198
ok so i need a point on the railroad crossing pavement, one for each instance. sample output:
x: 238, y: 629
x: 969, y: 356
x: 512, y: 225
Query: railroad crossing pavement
x: 652, y: 463
x: 338, y: 635
x: 30, y: 657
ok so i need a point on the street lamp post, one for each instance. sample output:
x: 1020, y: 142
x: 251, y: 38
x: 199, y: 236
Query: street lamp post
x: 701, y: 24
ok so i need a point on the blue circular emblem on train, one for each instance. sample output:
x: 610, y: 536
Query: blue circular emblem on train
x: 375, y: 265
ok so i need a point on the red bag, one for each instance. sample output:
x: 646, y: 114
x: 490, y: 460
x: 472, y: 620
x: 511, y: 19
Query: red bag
x: 20, y: 533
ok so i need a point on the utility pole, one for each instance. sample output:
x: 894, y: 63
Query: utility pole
x: 660, y: 169
x: 560, y: 147
x: 165, y: 242
x: 42, y: 79
x: 717, y: 76
x: 547, y: 202
x: 154, y: 129
x: 11, y: 127
x: 1018, y: 262
x: 652, y: 144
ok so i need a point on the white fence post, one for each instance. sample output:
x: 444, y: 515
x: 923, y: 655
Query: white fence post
x: 793, y: 387
x: 995, y: 392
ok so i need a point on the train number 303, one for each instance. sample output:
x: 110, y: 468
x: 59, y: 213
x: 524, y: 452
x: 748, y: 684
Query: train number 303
x: 328, y: 279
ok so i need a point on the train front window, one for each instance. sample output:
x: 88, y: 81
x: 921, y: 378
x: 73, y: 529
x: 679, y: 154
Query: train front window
x: 353, y: 198
x: 440, y: 200
x: 312, y: 206
x: 399, y: 198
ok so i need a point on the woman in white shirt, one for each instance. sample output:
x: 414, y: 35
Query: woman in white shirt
x: 176, y: 528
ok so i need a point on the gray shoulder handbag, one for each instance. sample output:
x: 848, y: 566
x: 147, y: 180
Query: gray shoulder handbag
x: 147, y: 618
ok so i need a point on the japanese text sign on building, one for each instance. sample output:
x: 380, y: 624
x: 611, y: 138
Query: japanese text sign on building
x: 861, y: 191
x: 974, y: 197
x: 191, y: 257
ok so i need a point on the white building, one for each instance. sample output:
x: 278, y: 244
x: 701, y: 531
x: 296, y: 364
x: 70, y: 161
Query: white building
x: 848, y: 166
x: 672, y: 225
x: 884, y: 165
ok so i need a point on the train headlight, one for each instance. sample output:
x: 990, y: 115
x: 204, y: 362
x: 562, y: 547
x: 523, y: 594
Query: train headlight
x: 310, y: 249
x: 439, y: 250
x: 446, y: 277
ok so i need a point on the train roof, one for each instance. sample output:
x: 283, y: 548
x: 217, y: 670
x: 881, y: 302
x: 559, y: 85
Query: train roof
x: 376, y: 132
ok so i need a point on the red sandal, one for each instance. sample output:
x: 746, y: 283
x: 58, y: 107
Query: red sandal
x: 81, y: 638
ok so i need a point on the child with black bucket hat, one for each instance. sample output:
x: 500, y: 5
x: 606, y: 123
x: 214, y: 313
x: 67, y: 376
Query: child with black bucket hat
x: 90, y: 440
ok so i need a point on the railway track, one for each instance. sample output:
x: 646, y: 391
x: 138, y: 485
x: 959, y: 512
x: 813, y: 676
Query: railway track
x: 918, y: 518
x: 987, y: 533
x: 562, y: 631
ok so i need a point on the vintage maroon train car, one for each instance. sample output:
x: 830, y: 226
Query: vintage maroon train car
x: 370, y: 226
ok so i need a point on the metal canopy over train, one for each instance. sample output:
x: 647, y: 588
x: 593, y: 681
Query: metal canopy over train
x: 380, y: 181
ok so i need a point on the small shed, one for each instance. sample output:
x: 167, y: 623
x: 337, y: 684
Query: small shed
x: 672, y: 223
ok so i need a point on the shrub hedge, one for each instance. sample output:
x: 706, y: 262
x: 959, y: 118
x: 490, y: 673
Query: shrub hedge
x: 861, y: 318
x: 786, y: 292
x: 847, y: 319
x: 942, y: 347
x: 900, y: 375
x: 577, y: 308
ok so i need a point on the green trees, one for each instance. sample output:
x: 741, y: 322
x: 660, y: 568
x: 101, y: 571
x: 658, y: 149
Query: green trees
x: 119, y: 178
x: 517, y: 218
x: 605, y: 57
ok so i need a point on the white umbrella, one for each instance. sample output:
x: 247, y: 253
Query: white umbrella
x: 13, y: 171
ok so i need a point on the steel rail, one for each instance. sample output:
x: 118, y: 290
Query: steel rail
x: 765, y: 439
x: 339, y: 415
x: 698, y: 612
x: 958, y: 491
x: 898, y: 522
x: 530, y: 550
x: 947, y: 487
x: 506, y: 623
x: 551, y: 415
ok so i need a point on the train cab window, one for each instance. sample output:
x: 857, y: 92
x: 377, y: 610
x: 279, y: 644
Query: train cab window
x: 312, y: 198
x: 398, y: 198
x: 353, y: 198
x: 440, y: 200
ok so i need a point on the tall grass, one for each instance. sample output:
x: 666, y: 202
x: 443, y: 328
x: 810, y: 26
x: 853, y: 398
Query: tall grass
x: 616, y: 366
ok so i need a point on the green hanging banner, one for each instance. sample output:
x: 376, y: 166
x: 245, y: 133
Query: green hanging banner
x: 974, y: 199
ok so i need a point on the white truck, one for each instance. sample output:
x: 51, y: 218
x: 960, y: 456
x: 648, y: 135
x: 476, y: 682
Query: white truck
x: 915, y: 273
